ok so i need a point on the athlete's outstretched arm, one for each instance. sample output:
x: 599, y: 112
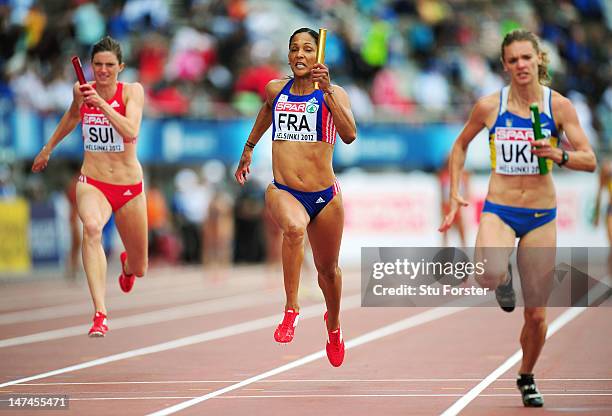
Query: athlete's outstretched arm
x: 127, y: 126
x: 338, y: 101
x: 582, y: 157
x: 69, y: 121
x: 474, y: 125
x: 604, y: 175
x: 262, y: 123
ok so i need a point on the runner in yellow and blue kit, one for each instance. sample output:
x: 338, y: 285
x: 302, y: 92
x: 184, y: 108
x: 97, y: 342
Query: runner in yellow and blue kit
x: 520, y: 202
x: 510, y: 144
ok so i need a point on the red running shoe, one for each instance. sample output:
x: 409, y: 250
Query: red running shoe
x: 334, y: 346
x: 99, y: 327
x: 126, y: 281
x: 286, y: 329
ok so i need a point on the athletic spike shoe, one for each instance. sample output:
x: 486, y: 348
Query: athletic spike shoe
x: 504, y: 293
x: 126, y: 281
x: 99, y: 327
x: 529, y: 391
x: 334, y: 346
x: 286, y: 329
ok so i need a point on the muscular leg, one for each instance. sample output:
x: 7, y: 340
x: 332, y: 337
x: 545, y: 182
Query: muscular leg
x: 461, y: 231
x: 75, y: 243
x: 292, y: 219
x: 94, y: 211
x: 494, y: 242
x: 131, y: 222
x: 536, y: 261
x: 609, y: 229
x: 325, y: 235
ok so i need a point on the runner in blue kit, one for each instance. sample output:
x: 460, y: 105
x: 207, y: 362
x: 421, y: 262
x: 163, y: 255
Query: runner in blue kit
x: 521, y: 203
x: 304, y: 196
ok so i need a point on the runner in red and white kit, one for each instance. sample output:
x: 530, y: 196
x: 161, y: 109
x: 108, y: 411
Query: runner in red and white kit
x: 111, y: 176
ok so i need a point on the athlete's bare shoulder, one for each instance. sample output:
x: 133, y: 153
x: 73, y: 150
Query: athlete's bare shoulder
x: 133, y: 88
x: 273, y: 88
x: 559, y: 101
x: 485, y: 109
x: 488, y: 103
x: 133, y: 93
x: 562, y: 108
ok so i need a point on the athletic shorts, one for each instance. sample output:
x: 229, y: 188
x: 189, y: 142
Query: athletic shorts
x: 116, y: 195
x: 521, y: 220
x: 313, y: 202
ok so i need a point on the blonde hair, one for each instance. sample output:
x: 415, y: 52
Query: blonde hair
x: 525, y: 35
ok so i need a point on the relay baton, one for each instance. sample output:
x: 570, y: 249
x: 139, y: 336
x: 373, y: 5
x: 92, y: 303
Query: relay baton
x: 321, y: 50
x: 537, y: 134
x: 78, y: 69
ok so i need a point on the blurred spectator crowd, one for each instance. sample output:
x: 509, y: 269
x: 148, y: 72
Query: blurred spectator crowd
x: 416, y: 60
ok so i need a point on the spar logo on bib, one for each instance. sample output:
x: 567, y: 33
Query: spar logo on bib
x: 514, y: 133
x: 290, y: 106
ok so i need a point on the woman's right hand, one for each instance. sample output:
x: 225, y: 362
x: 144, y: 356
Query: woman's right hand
x: 456, y: 202
x: 244, y: 166
x: 41, y: 160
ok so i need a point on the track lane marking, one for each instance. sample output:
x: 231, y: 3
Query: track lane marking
x: 410, y: 322
x: 349, y: 302
x: 555, y: 326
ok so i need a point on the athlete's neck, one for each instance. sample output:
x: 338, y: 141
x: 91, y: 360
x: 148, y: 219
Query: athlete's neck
x: 302, y: 86
x: 525, y: 95
x: 107, y: 91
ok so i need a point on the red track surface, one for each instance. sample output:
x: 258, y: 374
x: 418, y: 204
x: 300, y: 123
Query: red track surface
x: 419, y: 370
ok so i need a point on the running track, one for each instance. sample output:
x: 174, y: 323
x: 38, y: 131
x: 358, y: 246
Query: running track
x: 184, y: 342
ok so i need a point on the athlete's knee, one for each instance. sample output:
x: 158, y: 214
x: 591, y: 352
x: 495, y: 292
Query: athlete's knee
x: 490, y: 279
x: 92, y: 229
x: 294, y: 233
x: 329, y: 272
x: 535, y: 316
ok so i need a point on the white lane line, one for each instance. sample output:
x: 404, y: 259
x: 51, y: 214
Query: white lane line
x: 322, y: 396
x: 147, y: 318
x: 296, y: 396
x: 122, y: 302
x: 328, y: 380
x: 155, y: 288
x: 413, y: 321
x: 118, y: 304
x: 556, y: 325
x: 348, y: 302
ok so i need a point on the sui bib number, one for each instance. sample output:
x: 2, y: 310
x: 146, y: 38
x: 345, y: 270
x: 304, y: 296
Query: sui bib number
x: 99, y: 135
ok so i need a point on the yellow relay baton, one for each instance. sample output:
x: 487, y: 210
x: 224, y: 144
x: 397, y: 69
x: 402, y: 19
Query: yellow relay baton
x: 321, y: 50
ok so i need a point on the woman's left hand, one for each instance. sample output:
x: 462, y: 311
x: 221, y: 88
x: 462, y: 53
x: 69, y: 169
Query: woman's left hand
x: 543, y: 148
x: 320, y: 74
